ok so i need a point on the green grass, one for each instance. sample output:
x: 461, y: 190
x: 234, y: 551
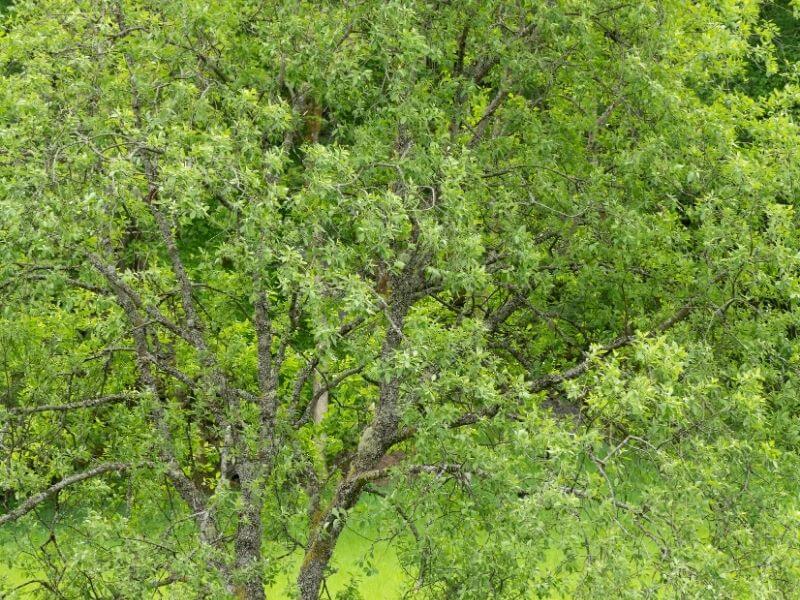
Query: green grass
x: 387, y: 581
x: 384, y: 579
x: 14, y: 563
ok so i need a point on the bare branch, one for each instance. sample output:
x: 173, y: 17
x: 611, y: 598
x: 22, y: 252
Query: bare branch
x: 90, y: 403
x: 263, y: 327
x: 37, y: 499
x: 470, y: 418
x: 480, y: 128
x: 549, y: 381
x: 324, y: 389
x: 193, y: 322
x: 120, y: 287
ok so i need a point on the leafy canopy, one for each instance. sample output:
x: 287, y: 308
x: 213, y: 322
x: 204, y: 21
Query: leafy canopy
x: 519, y: 280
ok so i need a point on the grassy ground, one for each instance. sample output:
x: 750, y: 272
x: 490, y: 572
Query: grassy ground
x: 385, y: 580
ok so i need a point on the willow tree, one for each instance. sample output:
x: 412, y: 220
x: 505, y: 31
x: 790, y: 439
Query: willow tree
x: 524, y: 273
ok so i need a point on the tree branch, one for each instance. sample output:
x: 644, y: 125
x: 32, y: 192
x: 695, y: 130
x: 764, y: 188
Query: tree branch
x: 549, y: 381
x: 480, y: 128
x: 90, y: 403
x: 37, y: 499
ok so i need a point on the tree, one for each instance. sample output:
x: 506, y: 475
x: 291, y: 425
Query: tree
x: 525, y: 272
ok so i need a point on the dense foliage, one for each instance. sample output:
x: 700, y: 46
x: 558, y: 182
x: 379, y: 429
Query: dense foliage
x: 523, y: 274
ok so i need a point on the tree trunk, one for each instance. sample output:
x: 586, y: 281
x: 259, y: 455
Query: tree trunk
x: 375, y: 440
x: 324, y: 535
x: 325, y: 529
x: 320, y: 407
x: 312, y: 571
x: 247, y: 543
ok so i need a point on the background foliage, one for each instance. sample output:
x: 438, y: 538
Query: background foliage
x: 514, y: 283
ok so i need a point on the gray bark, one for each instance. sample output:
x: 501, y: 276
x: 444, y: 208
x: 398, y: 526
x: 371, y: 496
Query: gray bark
x: 376, y: 439
x: 247, y: 543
